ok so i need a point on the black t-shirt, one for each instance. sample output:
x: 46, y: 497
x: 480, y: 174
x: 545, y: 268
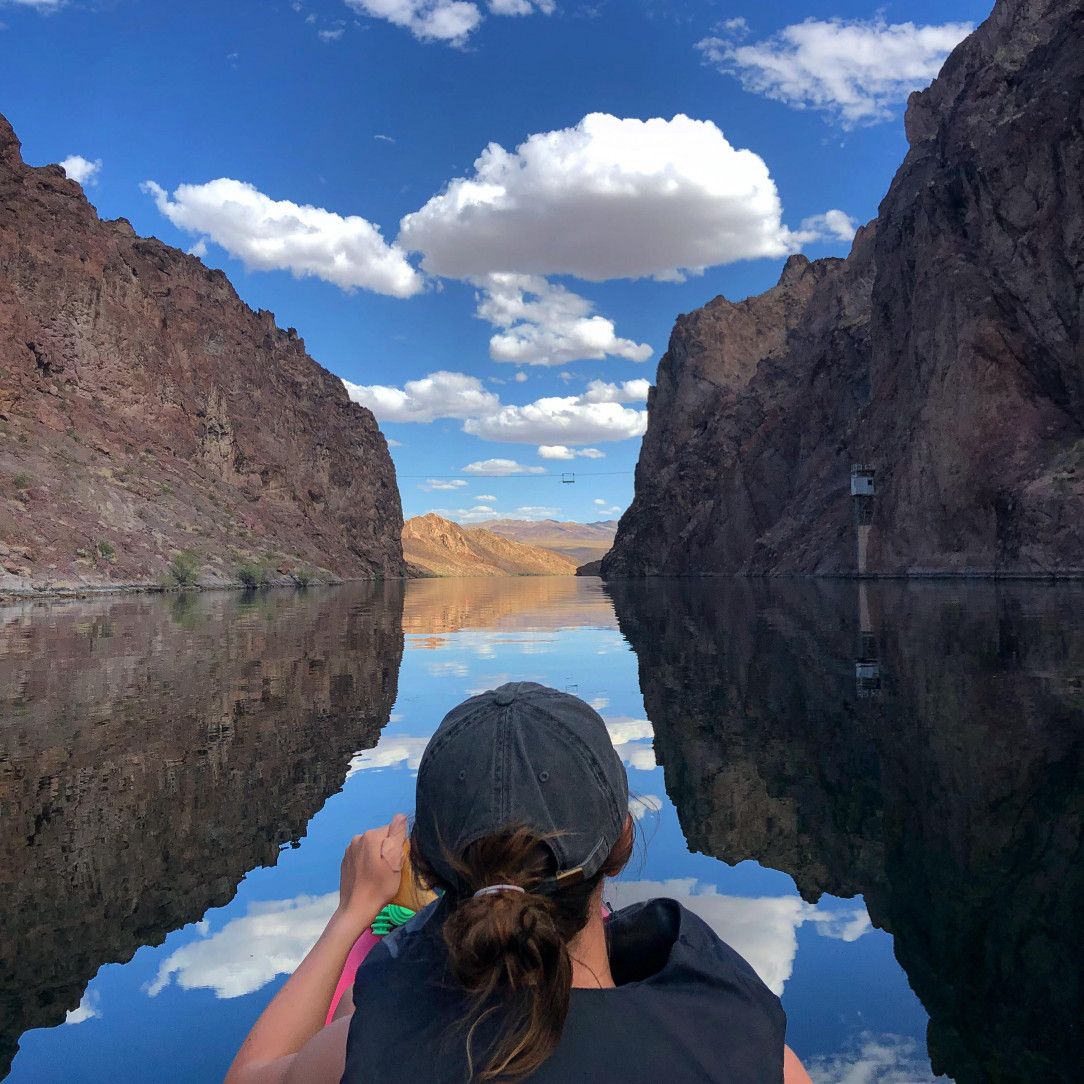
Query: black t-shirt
x: 686, y: 1008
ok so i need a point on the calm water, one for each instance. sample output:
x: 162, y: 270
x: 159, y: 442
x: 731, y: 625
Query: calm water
x: 875, y: 795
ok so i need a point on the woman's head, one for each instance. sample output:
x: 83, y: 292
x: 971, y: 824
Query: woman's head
x: 520, y: 787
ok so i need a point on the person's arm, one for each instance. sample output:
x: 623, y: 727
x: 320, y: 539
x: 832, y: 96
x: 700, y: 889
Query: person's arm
x: 285, y: 1031
x: 793, y: 1070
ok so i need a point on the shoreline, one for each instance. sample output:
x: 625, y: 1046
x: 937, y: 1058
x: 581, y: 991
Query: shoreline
x: 91, y: 591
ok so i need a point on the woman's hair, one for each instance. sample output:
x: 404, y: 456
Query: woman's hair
x: 510, y: 949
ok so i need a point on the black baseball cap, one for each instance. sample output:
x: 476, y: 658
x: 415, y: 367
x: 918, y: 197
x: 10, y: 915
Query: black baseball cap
x: 522, y: 755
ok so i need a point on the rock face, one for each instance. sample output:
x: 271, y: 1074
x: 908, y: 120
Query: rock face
x: 947, y: 790
x: 117, y: 832
x: 583, y: 542
x: 946, y: 352
x: 145, y: 410
x: 434, y: 546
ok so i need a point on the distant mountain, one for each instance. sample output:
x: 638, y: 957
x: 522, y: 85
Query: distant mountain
x: 433, y: 546
x: 583, y: 542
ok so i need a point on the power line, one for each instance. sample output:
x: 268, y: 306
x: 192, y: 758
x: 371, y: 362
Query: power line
x: 519, y: 477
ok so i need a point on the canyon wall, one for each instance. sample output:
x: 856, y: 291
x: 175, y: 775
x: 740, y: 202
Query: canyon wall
x: 945, y: 352
x: 146, y: 411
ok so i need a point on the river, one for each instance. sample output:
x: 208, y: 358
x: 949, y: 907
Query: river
x: 874, y: 792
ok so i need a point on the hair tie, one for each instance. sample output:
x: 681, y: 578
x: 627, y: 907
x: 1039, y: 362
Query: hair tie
x: 490, y: 890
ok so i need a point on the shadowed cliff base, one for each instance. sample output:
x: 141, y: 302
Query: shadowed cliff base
x: 153, y: 427
x: 920, y: 745
x: 944, y: 355
x: 119, y: 828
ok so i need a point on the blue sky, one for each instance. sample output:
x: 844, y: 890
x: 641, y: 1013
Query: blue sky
x: 653, y: 155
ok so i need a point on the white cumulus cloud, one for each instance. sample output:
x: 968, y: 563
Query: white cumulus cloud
x: 269, y: 235
x: 566, y: 420
x: 545, y: 324
x: 500, y: 468
x: 448, y: 21
x: 485, y: 498
x: 834, y: 225
x: 855, y: 71
x: 609, y: 198
x: 81, y: 169
x: 439, y: 395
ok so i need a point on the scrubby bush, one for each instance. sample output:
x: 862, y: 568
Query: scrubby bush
x: 303, y: 575
x: 253, y: 573
x: 22, y: 481
x: 106, y: 549
x: 184, y: 568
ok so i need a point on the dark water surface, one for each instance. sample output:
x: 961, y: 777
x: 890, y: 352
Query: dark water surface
x: 874, y: 793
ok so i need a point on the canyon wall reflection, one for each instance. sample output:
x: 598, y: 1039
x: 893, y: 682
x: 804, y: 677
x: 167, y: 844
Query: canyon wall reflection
x: 919, y: 744
x: 155, y: 749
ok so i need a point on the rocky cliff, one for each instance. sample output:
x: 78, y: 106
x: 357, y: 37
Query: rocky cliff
x: 945, y: 352
x: 434, y: 546
x: 117, y: 832
x: 922, y: 749
x: 146, y: 411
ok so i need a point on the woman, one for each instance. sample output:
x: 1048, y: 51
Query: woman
x: 522, y: 812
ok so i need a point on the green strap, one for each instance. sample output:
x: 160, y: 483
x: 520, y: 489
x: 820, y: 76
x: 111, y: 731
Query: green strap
x: 389, y: 917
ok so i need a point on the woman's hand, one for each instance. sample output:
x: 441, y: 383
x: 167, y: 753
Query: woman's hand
x: 369, y: 875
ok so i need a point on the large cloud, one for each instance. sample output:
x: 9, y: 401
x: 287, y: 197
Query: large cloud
x: 545, y: 324
x: 598, y: 414
x: 438, y: 395
x: 855, y: 71
x: 268, y: 234
x: 564, y: 420
x: 610, y: 198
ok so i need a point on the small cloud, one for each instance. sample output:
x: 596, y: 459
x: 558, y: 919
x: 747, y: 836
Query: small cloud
x: 521, y: 377
x: 534, y: 511
x: 331, y: 35
x: 393, y: 443
x: 432, y: 485
x: 834, y: 225
x: 485, y: 498
x: 500, y: 468
x: 561, y: 451
x: 199, y: 248
x: 383, y: 138
x: 82, y: 170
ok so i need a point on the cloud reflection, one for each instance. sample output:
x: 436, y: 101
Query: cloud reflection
x: 763, y: 929
x: 87, y: 1009
x: 271, y: 939
x: 631, y: 737
x: 876, y: 1059
x: 394, y: 751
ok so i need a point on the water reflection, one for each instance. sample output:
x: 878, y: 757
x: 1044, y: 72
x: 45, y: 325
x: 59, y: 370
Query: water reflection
x: 153, y: 750
x: 947, y: 787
